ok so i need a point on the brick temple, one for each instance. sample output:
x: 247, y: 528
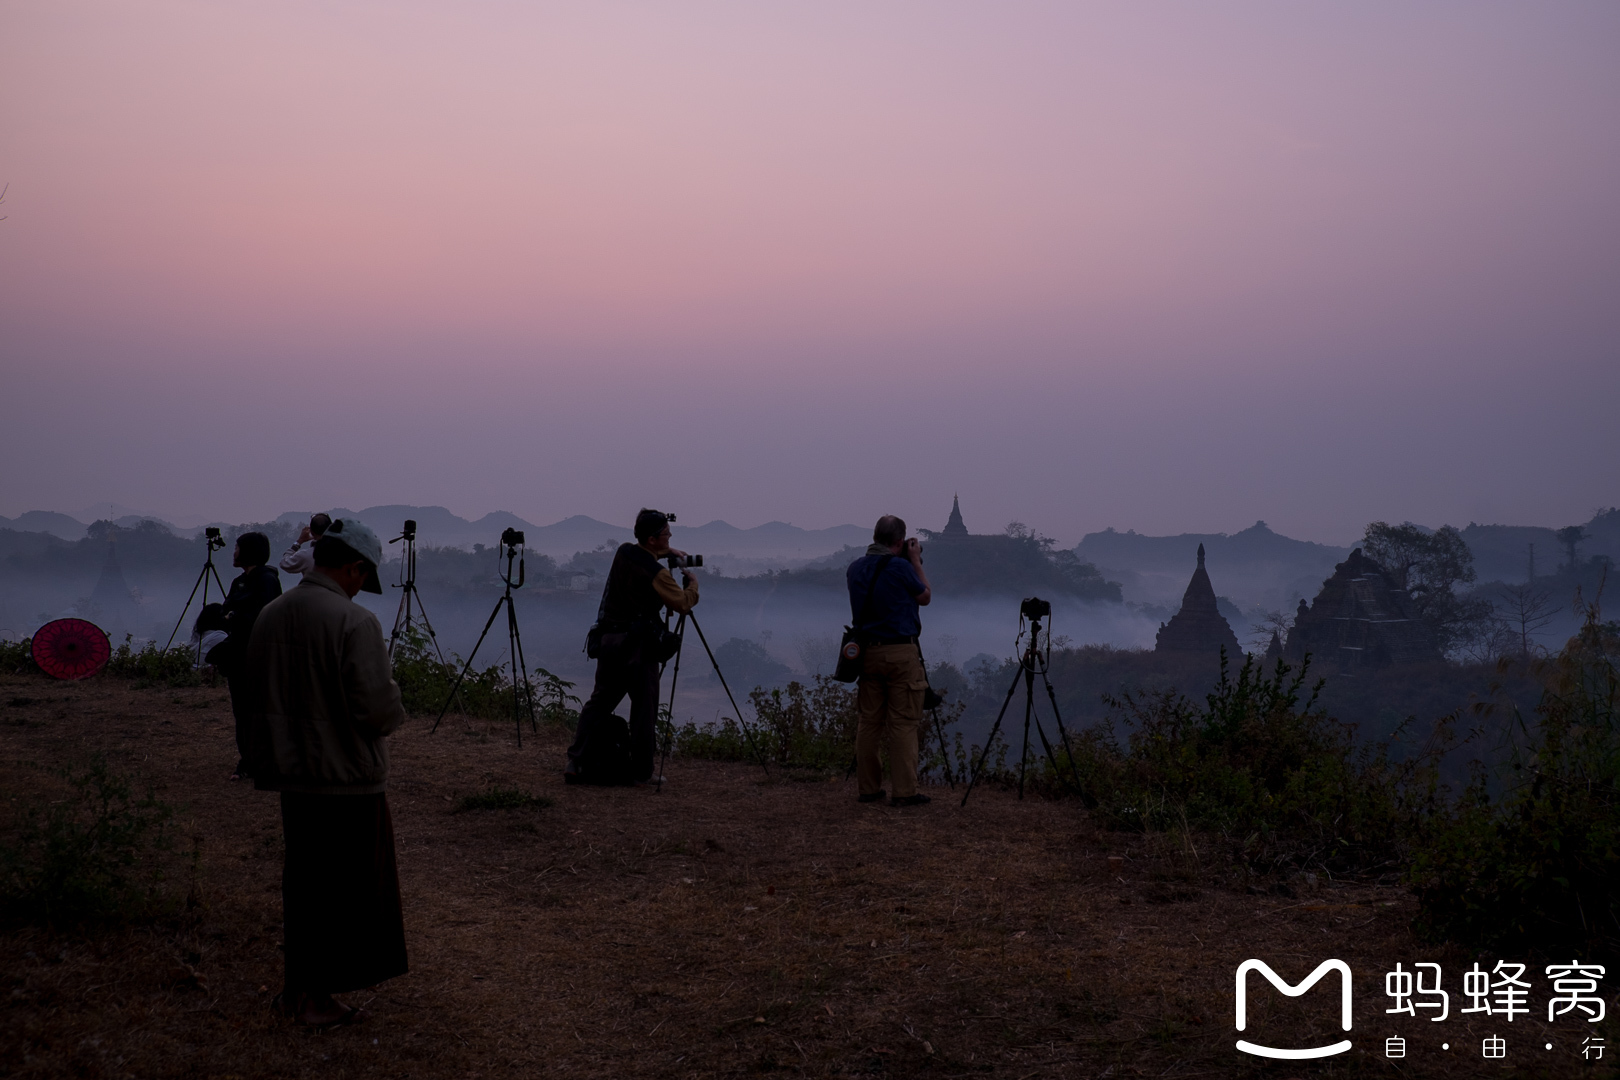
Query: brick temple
x: 1360, y: 620
x: 1199, y: 626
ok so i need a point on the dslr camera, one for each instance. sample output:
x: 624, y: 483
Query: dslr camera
x: 677, y: 562
x: 1035, y: 608
x: 409, y: 532
x: 215, y: 541
x: 512, y: 537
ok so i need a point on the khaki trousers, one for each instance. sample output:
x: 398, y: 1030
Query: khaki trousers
x: 890, y: 700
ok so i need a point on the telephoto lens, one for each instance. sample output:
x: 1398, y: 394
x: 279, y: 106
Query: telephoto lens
x: 410, y: 530
x: 690, y: 561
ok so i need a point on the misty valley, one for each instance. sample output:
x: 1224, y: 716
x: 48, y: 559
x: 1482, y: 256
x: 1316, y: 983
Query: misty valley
x: 774, y: 603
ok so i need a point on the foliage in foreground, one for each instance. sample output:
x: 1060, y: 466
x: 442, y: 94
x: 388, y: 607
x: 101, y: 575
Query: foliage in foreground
x: 17, y: 657
x: 151, y: 665
x: 1538, y: 864
x: 809, y: 727
x: 425, y: 682
x: 1282, y: 783
x: 98, y: 854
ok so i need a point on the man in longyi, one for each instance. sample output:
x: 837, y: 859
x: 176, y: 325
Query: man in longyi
x: 326, y: 699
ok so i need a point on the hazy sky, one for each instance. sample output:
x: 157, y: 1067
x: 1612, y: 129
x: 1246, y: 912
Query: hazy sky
x: 1156, y: 266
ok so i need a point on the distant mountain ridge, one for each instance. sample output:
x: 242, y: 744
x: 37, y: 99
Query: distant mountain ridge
x: 438, y: 527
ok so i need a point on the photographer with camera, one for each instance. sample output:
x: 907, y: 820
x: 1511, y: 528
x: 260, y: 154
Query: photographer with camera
x: 300, y: 558
x: 886, y: 587
x: 629, y: 643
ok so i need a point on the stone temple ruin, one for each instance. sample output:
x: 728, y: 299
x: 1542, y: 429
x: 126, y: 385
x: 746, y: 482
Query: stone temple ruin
x: 1360, y: 620
x: 1199, y: 626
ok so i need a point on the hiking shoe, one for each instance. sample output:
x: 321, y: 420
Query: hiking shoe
x: 876, y: 796
x: 910, y: 800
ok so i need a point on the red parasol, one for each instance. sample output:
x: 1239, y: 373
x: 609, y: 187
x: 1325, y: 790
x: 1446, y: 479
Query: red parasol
x: 71, y: 648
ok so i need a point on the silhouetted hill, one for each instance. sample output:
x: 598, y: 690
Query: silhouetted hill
x: 1256, y: 567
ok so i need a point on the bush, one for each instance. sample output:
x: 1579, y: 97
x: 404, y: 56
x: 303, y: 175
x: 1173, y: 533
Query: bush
x: 425, y: 681
x: 1282, y: 782
x: 17, y: 657
x: 807, y: 727
x: 1535, y: 865
x: 97, y: 854
x: 152, y: 665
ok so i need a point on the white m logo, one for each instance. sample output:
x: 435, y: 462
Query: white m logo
x: 1292, y: 991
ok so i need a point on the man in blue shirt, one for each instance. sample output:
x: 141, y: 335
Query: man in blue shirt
x: 886, y: 586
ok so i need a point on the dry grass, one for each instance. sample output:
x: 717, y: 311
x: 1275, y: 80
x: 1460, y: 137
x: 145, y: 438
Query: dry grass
x: 726, y: 926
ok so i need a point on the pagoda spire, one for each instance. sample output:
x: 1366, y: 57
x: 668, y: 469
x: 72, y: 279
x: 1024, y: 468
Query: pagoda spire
x: 954, y: 526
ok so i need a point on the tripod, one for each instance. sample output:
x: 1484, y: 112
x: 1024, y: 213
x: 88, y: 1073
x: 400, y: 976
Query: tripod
x: 215, y: 542
x: 1033, y: 662
x: 669, y: 732
x: 522, y: 693
x: 407, y: 573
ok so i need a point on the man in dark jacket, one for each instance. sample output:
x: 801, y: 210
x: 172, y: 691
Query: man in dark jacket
x: 886, y: 586
x: 628, y: 626
x: 326, y: 699
x: 250, y: 591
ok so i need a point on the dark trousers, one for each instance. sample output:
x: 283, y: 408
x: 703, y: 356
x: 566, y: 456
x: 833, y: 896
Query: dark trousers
x: 340, y: 893
x: 239, y: 709
x: 624, y: 668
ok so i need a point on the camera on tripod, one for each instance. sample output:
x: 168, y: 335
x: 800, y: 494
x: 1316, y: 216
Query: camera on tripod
x: 1035, y: 608
x: 409, y: 532
x: 215, y: 541
x: 679, y: 562
x: 512, y: 538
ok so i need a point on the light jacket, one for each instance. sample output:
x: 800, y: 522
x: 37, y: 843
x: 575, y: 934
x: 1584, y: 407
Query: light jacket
x: 326, y: 694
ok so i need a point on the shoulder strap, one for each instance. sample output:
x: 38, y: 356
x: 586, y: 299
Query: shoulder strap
x: 871, y: 590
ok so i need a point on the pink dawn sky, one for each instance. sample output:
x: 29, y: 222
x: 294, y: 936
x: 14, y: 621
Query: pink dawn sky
x: 1156, y: 266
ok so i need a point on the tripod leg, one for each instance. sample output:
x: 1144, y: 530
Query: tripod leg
x: 984, y: 755
x: 467, y: 666
x: 748, y: 732
x: 202, y: 576
x: 1074, y: 769
x: 402, y: 621
x: 523, y: 666
x: 421, y: 610
x: 674, y: 680
x: 944, y: 752
x: 1029, y: 710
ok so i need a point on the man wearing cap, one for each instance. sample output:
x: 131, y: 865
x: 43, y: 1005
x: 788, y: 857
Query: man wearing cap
x: 628, y: 634
x: 326, y: 700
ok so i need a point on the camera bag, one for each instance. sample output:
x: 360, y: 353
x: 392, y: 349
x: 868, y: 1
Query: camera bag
x: 852, y: 649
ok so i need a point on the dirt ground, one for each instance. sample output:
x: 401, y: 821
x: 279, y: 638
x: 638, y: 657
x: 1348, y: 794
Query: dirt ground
x: 732, y: 925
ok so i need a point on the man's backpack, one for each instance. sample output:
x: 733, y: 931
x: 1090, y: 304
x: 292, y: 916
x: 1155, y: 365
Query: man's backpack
x: 605, y: 758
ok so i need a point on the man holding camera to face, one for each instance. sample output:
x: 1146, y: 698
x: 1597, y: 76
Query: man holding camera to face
x: 629, y: 643
x: 886, y: 587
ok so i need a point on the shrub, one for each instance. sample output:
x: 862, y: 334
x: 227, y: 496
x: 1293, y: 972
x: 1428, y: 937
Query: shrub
x: 1535, y: 865
x: 809, y: 727
x: 97, y: 854
x: 17, y: 657
x: 153, y: 665
x: 425, y: 681
x: 1284, y: 783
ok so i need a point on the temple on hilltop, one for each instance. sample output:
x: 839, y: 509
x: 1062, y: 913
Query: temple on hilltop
x: 112, y: 601
x: 1199, y: 626
x: 1360, y: 620
x: 954, y: 526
